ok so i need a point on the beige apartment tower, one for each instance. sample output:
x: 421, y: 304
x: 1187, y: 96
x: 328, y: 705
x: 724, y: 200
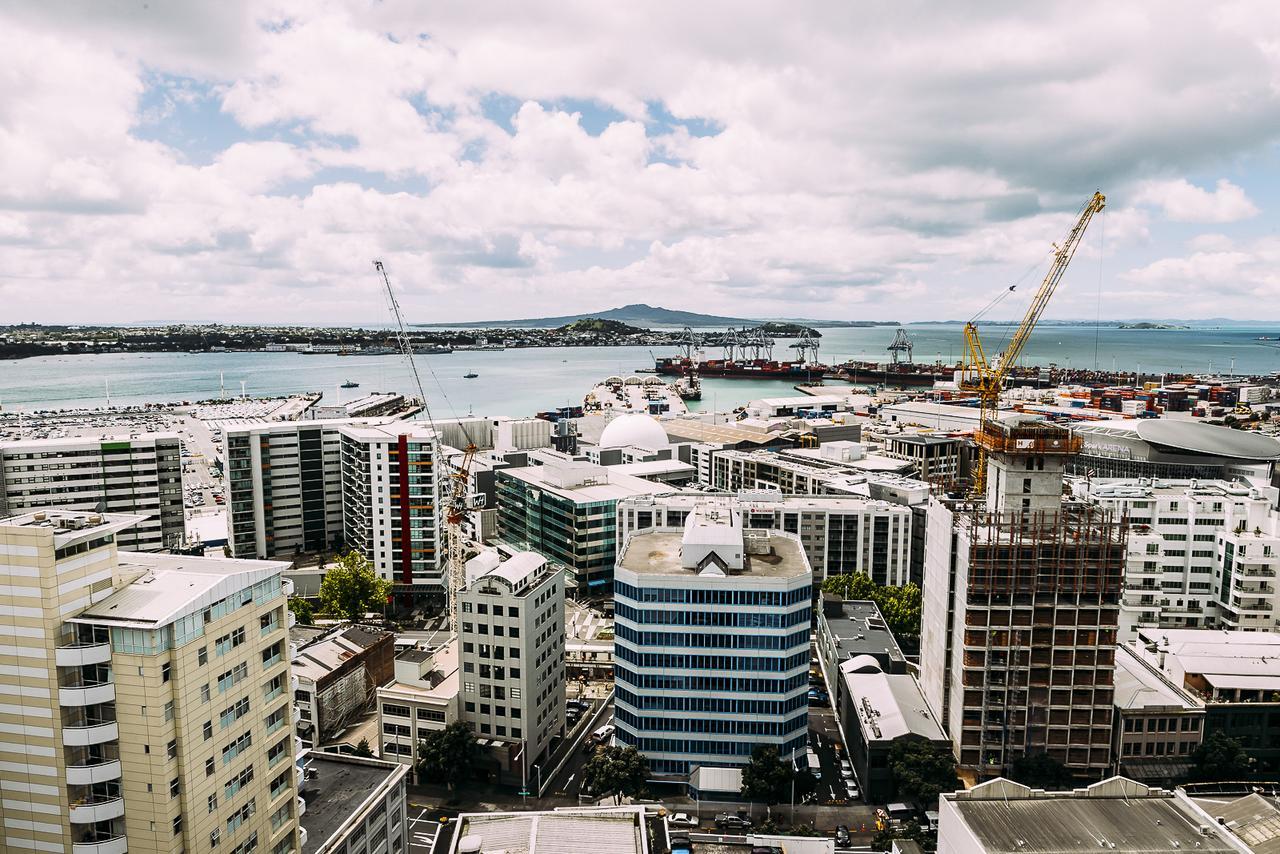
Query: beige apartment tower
x: 144, y: 698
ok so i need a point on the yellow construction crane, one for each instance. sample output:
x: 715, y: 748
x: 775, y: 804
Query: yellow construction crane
x: 987, y: 378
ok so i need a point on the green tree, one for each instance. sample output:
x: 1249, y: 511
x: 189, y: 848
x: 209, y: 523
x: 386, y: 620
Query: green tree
x: 363, y: 748
x: 351, y: 588
x: 1220, y: 757
x: 922, y: 770
x: 616, y: 771
x: 1040, y: 771
x: 767, y: 779
x: 303, y: 610
x: 449, y: 755
x: 900, y: 606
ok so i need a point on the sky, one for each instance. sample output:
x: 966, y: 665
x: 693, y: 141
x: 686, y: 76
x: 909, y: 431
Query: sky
x: 246, y: 161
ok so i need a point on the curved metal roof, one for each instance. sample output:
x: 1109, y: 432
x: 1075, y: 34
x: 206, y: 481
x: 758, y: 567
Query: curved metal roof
x: 1198, y: 438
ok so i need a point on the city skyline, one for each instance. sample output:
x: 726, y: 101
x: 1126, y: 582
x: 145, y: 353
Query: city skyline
x: 246, y: 161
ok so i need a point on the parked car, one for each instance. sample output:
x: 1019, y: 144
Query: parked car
x: 682, y: 819
x: 842, y: 836
x: 680, y: 845
x: 846, y: 769
x: 729, y: 821
x: 852, y: 788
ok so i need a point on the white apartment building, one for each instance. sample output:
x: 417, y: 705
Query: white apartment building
x: 146, y: 696
x: 138, y: 474
x: 390, y: 493
x: 511, y: 628
x: 422, y: 699
x: 840, y: 534
x: 1201, y: 553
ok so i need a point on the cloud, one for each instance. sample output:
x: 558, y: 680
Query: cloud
x: 1182, y: 201
x: 245, y: 161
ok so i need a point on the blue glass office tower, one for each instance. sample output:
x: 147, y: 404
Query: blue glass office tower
x: 711, y: 650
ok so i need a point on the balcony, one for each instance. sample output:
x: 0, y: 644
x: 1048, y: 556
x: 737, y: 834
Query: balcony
x: 302, y: 807
x: 94, y: 812
x: 102, y: 844
x: 286, y: 584
x: 87, y: 775
x: 80, y: 655
x: 83, y: 736
x: 87, y: 695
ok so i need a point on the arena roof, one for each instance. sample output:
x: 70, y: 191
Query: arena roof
x: 1198, y: 438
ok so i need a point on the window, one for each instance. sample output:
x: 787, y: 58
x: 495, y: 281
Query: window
x: 271, y: 655
x: 277, y: 751
x: 234, y: 712
x: 233, y: 677
x: 204, y: 693
x: 166, y: 672
x: 168, y: 711
x: 230, y: 641
x: 235, y: 748
x: 208, y: 730
x: 214, y: 838
x: 213, y: 802
x: 202, y: 655
x: 177, y: 824
x: 171, y: 749
x: 395, y: 711
x: 208, y: 767
x: 238, y: 782
x: 175, y: 785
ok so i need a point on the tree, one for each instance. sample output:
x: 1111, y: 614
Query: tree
x: 616, y: 771
x: 302, y: 609
x: 449, y: 755
x: 767, y: 779
x: 351, y: 588
x: 922, y: 770
x: 1220, y: 757
x: 900, y: 606
x: 1040, y: 771
x: 363, y: 749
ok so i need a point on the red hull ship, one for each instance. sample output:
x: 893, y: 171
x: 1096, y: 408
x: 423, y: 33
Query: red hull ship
x: 761, y: 369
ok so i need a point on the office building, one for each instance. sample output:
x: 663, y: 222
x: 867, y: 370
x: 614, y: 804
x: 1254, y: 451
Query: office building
x: 850, y: 629
x: 337, y: 675
x: 875, y: 710
x: 136, y: 474
x: 711, y: 649
x: 1021, y: 610
x: 148, y: 698
x: 353, y: 805
x: 422, y: 699
x: 1158, y: 725
x: 567, y: 830
x: 1201, y: 553
x: 568, y: 512
x: 390, y: 493
x: 840, y: 535
x: 1118, y: 815
x: 511, y: 629
x: 935, y: 459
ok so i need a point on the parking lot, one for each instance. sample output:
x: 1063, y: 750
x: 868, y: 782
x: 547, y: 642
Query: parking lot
x: 424, y: 831
x: 824, y: 739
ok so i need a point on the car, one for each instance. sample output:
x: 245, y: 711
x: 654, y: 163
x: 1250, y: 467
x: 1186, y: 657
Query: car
x: 852, y: 788
x: 680, y: 844
x: 843, y: 839
x: 846, y: 770
x: 729, y: 821
x: 682, y: 819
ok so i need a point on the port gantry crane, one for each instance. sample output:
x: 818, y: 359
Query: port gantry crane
x: 987, y: 378
x: 456, y: 504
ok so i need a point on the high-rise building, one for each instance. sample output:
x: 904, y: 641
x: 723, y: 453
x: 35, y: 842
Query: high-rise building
x: 568, y: 512
x: 389, y: 497
x: 284, y: 488
x: 1202, y: 553
x: 1021, y: 610
x: 138, y: 474
x: 511, y: 628
x: 147, y: 702
x: 711, y: 653
x: 840, y: 534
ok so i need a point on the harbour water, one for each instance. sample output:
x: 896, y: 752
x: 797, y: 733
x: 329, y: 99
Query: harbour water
x: 524, y: 381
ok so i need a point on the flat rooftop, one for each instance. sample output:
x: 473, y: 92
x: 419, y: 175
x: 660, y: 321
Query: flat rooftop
x: 617, y: 830
x: 142, y: 438
x: 1138, y: 686
x: 171, y: 586
x: 657, y: 552
x: 858, y: 628
x: 891, y: 705
x: 1115, y: 815
x: 611, y: 486
x: 342, y: 784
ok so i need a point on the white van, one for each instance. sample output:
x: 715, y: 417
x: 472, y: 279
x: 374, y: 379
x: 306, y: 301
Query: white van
x: 815, y: 766
x: 602, y: 735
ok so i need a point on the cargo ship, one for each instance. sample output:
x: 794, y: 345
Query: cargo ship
x: 897, y: 373
x: 751, y: 369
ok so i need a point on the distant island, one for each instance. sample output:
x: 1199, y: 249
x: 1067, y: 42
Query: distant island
x: 1148, y: 325
x: 640, y: 315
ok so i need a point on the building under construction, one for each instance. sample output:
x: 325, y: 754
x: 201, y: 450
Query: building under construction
x: 1021, y: 609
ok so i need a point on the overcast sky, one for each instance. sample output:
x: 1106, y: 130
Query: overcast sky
x: 244, y: 162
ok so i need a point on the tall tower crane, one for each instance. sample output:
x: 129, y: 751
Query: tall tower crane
x: 987, y: 378
x: 456, y: 503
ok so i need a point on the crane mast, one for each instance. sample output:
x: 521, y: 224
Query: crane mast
x: 987, y: 378
x: 456, y: 505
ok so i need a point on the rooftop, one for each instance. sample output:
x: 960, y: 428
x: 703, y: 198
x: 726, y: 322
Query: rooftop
x: 1115, y: 815
x: 657, y: 552
x: 69, y: 524
x: 890, y: 705
x: 1255, y: 820
x: 171, y: 586
x: 617, y: 830
x: 341, y: 785
x: 1199, y: 438
x: 857, y: 628
x: 602, y: 486
x: 80, y: 441
x: 692, y: 430
x: 325, y: 655
x: 1140, y: 686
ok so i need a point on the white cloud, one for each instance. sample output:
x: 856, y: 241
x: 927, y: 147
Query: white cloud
x: 891, y: 163
x: 1182, y: 201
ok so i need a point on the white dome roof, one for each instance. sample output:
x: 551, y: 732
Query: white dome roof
x: 634, y: 430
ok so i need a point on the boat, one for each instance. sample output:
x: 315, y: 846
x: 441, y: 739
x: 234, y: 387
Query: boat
x: 758, y: 369
x: 689, y: 388
x: 351, y: 384
x: 470, y: 375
